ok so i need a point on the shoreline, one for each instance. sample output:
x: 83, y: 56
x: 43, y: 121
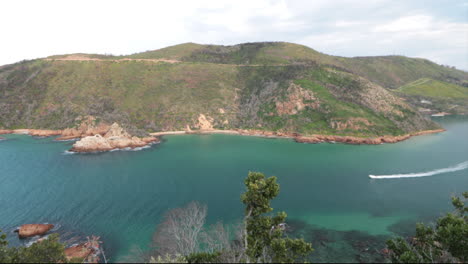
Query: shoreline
x: 93, y: 143
x: 313, y: 139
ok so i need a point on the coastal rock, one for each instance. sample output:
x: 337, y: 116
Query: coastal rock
x: 5, y: 131
x: 89, y: 126
x: 32, y: 132
x: 80, y: 251
x: 87, y: 252
x: 115, y: 138
x: 30, y: 230
x: 44, y: 133
x: 358, y: 140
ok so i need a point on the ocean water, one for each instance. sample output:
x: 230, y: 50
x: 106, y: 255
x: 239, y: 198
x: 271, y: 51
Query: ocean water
x: 325, y: 188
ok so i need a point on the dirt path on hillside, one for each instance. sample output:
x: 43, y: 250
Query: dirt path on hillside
x: 85, y: 58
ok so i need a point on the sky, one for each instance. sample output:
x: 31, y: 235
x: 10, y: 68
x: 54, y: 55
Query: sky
x: 432, y: 29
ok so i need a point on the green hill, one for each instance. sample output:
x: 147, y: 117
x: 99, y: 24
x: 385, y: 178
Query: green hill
x: 437, y: 96
x: 268, y: 86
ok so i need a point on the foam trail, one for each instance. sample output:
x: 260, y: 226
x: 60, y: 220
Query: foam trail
x: 458, y: 167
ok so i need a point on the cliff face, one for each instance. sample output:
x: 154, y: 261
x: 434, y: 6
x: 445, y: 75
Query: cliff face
x: 278, y: 87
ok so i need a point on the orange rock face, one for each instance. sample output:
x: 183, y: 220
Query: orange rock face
x: 88, y: 127
x: 5, y: 131
x: 44, y: 133
x: 30, y: 230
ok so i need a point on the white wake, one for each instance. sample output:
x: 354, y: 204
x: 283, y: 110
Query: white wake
x: 458, y: 167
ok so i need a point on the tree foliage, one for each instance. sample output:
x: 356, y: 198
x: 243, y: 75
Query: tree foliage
x: 204, y: 257
x: 48, y: 250
x: 260, y: 238
x: 264, y: 239
x: 447, y: 242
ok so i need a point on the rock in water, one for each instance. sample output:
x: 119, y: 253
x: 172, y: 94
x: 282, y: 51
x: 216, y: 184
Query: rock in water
x: 115, y: 138
x: 30, y: 230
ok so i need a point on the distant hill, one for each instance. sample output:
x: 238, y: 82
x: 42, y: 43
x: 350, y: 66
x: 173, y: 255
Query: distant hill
x: 272, y: 86
x: 436, y: 95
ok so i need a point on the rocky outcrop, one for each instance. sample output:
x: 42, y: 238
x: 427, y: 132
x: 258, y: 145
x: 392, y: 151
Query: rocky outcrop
x: 87, y: 252
x: 114, y: 138
x: 30, y: 230
x: 359, y: 140
x: 95, y: 136
x: 205, y: 123
x: 80, y: 251
x: 89, y: 126
x: 296, y: 100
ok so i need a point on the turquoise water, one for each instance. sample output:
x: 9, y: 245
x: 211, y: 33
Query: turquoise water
x: 325, y: 188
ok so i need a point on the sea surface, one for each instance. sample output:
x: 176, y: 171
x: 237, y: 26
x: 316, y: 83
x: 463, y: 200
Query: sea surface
x: 325, y: 188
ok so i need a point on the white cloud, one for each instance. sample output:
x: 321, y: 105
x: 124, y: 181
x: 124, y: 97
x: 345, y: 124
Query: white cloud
x: 408, y: 23
x: 414, y: 36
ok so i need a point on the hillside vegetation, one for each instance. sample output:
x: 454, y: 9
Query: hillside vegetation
x: 435, y: 89
x: 437, y: 96
x: 271, y: 86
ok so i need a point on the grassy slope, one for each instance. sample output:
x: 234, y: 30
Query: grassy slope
x: 387, y: 71
x: 246, y: 81
x: 395, y: 71
x: 443, y: 96
x: 432, y: 88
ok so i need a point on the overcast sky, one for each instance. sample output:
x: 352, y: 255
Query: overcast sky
x: 436, y: 30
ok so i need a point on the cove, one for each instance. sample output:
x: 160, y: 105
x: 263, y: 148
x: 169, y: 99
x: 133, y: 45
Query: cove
x: 325, y: 188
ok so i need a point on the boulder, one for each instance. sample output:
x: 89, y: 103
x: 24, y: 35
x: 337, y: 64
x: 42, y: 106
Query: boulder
x: 80, y: 252
x: 30, y: 230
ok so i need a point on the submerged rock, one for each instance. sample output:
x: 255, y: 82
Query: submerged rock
x: 30, y: 230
